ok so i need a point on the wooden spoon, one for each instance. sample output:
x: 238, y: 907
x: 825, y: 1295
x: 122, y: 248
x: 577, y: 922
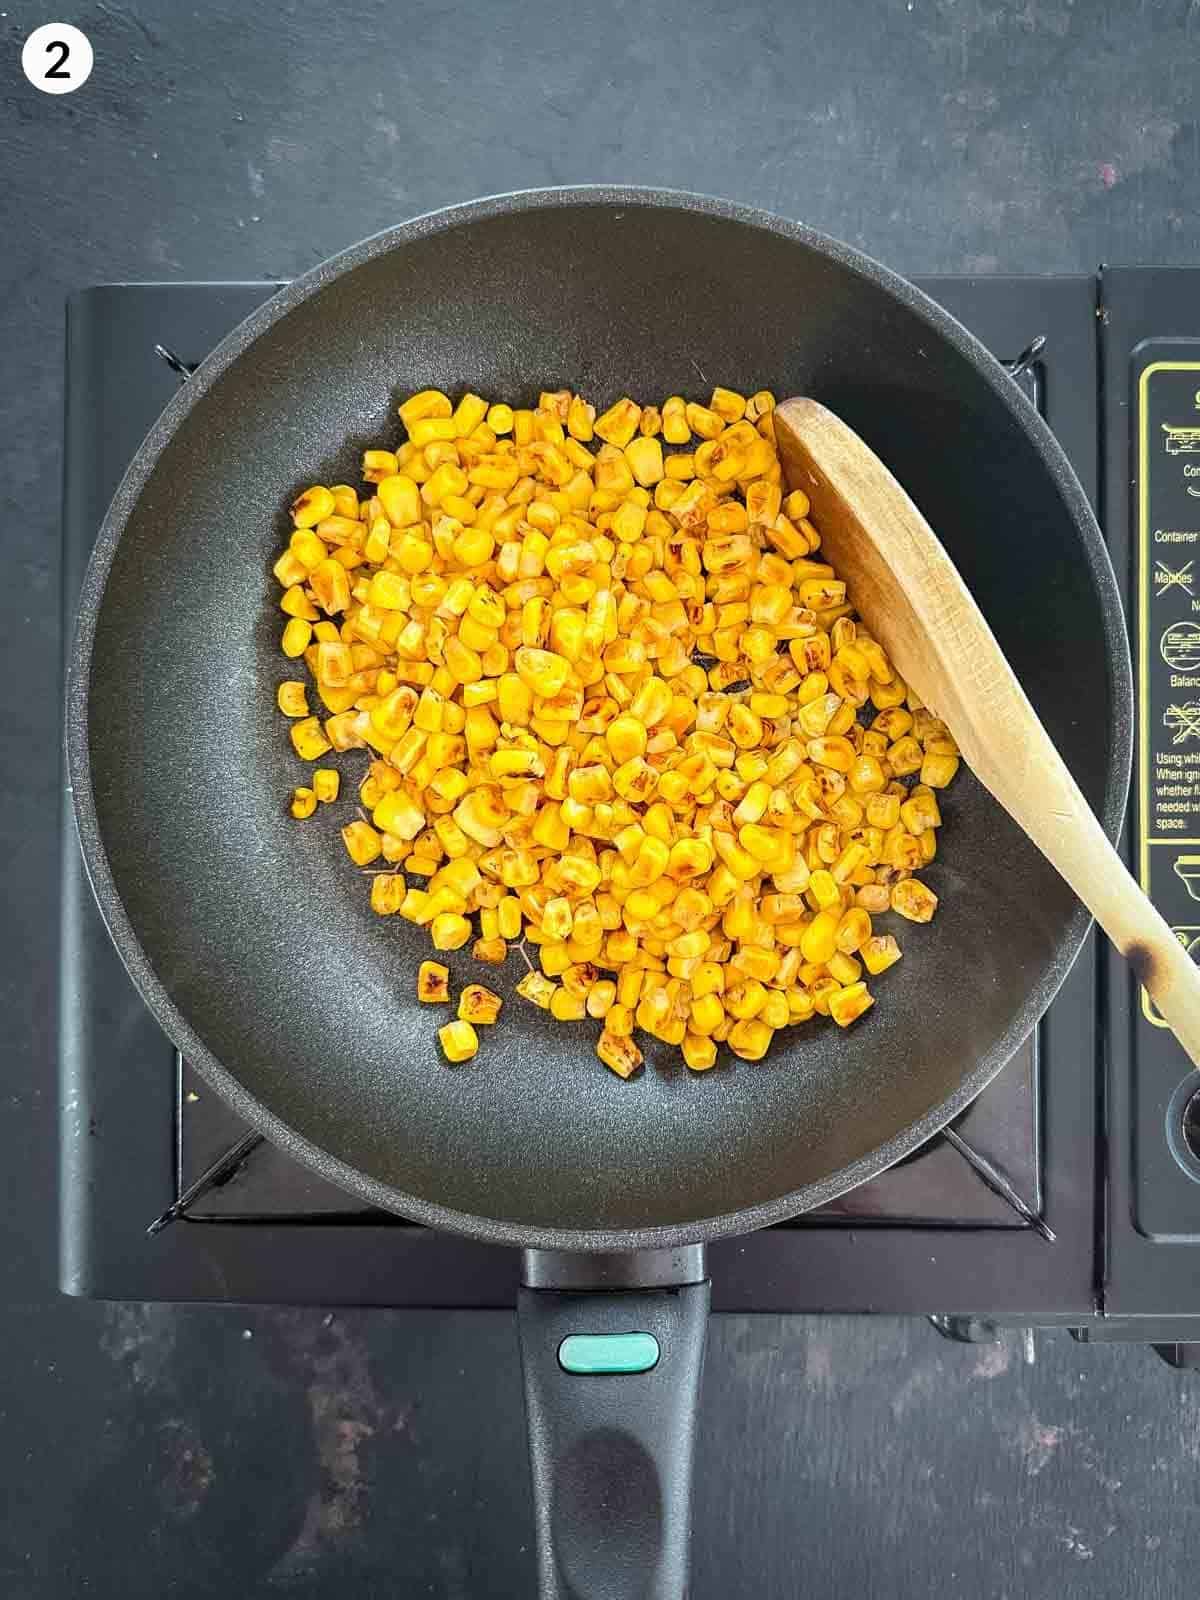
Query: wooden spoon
x: 909, y: 593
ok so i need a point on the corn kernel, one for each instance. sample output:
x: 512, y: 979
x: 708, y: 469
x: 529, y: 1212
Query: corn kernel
x: 478, y: 1005
x: 388, y: 890
x: 292, y: 699
x: 750, y: 1039
x: 459, y: 1041
x: 619, y: 423
x: 913, y: 900
x: 304, y: 802
x: 618, y: 1051
x: 849, y: 1003
x: 296, y: 636
x: 567, y: 1007
x: 326, y: 783
x: 449, y: 931
x: 312, y: 506
x: 308, y: 739
x: 699, y: 1052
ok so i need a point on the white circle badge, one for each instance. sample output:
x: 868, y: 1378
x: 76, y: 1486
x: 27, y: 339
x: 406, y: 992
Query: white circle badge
x: 57, y: 58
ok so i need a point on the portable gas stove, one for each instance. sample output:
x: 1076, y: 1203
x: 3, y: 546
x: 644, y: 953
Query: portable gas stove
x: 1068, y: 1193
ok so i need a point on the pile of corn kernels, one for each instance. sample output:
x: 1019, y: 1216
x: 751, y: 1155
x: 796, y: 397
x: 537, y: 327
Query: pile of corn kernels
x: 617, y: 709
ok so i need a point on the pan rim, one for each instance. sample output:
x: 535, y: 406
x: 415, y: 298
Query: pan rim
x: 153, y: 991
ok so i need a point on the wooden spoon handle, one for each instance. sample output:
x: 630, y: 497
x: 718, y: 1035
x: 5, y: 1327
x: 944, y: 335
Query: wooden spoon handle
x: 1060, y: 822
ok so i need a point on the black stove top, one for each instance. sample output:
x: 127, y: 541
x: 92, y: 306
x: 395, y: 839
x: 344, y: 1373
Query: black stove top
x: 1012, y: 1214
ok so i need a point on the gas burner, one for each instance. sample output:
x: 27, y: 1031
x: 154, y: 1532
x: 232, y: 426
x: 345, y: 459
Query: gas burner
x: 1002, y: 1218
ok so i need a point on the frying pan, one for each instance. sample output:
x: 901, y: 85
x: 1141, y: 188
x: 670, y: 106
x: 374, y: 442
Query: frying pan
x: 250, y: 936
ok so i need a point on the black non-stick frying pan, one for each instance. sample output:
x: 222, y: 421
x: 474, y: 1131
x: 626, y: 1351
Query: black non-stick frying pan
x: 251, y: 938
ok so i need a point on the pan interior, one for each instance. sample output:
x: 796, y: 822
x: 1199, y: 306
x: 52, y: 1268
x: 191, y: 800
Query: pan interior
x: 259, y: 928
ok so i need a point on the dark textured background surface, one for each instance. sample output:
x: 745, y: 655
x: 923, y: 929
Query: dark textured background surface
x: 152, y: 1452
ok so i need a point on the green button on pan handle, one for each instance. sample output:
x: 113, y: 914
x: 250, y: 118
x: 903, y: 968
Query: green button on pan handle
x: 608, y: 1352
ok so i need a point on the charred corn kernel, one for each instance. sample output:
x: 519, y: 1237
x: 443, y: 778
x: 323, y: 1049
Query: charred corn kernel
x: 478, y: 1005
x: 728, y: 403
x: 362, y: 842
x: 879, y: 953
x: 308, y: 739
x: 905, y: 757
x: 755, y: 962
x: 699, y: 1052
x: 849, y: 1003
x: 619, y: 423
x: 326, y: 783
x: 913, y: 900
x: 750, y: 1039
x: 874, y: 898
x: 400, y: 498
x: 617, y: 1050
x: 458, y: 1040
x: 745, y: 998
x: 883, y: 810
x: 291, y: 698
x: 556, y: 919
x: 703, y: 421
x: 433, y: 983
x: 304, y: 802
x: 535, y: 987
x: 635, y: 780
x: 387, y: 893
x: 618, y: 1021
x: 313, y: 506
x: 836, y: 753
x: 853, y: 931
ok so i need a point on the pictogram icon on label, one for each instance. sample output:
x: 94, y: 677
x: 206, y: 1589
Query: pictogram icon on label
x: 1180, y: 646
x: 1166, y: 577
x: 1183, y: 721
x: 1181, y: 440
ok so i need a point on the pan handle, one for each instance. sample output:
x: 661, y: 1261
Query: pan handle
x: 612, y: 1349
